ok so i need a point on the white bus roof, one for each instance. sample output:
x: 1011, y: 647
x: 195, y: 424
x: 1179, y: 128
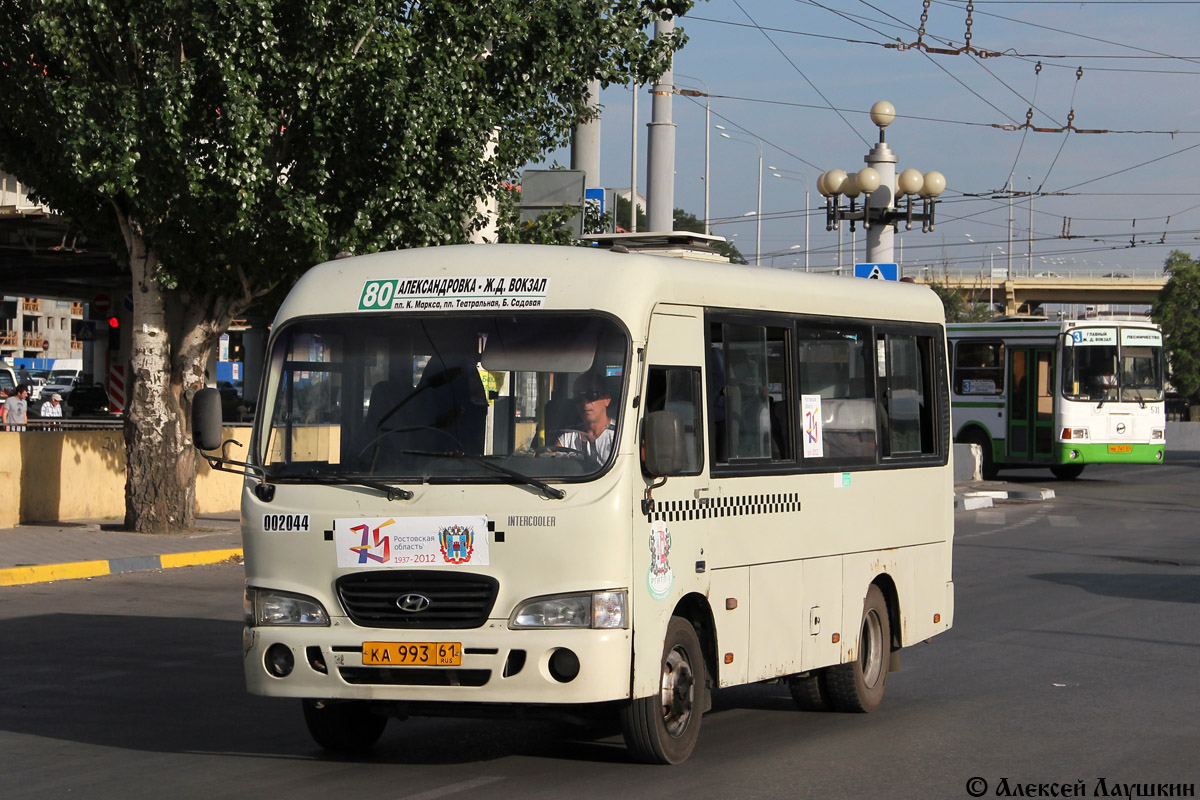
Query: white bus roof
x: 625, y: 284
x: 1010, y: 329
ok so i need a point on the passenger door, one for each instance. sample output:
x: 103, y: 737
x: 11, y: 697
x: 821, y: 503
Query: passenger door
x: 1030, y: 404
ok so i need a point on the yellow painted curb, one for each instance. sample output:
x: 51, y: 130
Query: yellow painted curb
x: 203, y: 557
x: 52, y: 572
x: 44, y: 573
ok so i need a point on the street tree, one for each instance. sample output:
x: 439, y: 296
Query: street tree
x: 228, y: 146
x: 687, y: 221
x: 1177, y: 310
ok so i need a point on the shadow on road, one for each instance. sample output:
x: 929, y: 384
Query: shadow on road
x: 1167, y: 588
x: 175, y: 685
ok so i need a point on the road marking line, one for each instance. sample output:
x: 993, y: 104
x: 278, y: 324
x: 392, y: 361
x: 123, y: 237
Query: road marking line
x: 453, y: 788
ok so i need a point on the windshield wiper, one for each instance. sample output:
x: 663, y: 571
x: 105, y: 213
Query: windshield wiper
x: 392, y: 492
x: 484, y: 461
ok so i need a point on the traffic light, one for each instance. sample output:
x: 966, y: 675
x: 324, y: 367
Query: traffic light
x: 114, y: 333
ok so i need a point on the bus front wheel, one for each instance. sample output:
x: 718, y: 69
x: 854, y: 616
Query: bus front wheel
x: 1067, y: 472
x: 663, y: 728
x: 858, y: 686
x: 344, y: 727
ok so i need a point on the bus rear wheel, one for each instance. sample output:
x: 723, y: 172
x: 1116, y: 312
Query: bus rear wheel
x: 1067, y: 472
x: 809, y: 692
x: 858, y: 686
x: 663, y: 728
x: 344, y: 727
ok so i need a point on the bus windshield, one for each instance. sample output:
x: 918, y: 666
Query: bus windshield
x: 1113, y: 364
x: 448, y: 398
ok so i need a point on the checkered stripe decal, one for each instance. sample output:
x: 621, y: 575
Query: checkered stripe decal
x: 735, y: 506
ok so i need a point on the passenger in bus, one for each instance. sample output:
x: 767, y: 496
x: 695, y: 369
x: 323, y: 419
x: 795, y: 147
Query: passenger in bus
x: 597, y: 431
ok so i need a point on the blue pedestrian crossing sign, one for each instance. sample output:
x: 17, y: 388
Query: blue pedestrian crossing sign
x: 878, y: 272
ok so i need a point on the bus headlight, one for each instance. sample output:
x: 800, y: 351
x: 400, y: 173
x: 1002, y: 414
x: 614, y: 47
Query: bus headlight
x: 584, y: 610
x: 1157, y: 435
x: 270, y: 607
x: 1074, y: 434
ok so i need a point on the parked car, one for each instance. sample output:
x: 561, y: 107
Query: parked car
x: 61, y: 382
x: 35, y: 383
x: 88, y: 401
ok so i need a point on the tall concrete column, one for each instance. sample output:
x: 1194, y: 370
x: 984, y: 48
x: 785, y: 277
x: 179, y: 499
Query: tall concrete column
x: 880, y: 236
x: 660, y: 158
x: 585, y: 142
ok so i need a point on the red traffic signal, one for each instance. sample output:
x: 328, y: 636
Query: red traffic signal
x: 113, y: 322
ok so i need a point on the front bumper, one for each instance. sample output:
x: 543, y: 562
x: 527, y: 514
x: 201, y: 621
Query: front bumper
x: 498, y: 665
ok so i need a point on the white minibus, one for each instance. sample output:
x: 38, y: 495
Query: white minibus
x: 549, y: 479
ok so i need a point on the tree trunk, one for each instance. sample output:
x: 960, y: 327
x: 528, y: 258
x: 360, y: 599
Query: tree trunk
x: 173, y: 334
x: 160, y: 487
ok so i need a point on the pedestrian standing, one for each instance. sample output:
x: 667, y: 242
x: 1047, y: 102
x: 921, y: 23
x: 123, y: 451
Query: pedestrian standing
x: 53, y: 408
x: 15, y: 411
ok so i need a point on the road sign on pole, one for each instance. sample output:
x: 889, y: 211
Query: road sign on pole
x: 878, y: 272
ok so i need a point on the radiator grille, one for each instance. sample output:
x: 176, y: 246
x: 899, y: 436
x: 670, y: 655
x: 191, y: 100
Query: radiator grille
x: 455, y: 600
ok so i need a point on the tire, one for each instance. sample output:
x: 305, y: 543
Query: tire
x: 808, y: 691
x: 663, y: 728
x: 1067, y: 472
x: 343, y: 727
x: 858, y: 687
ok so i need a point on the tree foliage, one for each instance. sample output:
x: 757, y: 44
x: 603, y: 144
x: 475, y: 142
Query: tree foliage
x: 1177, y: 310
x: 225, y: 147
x: 958, y: 303
x: 687, y: 221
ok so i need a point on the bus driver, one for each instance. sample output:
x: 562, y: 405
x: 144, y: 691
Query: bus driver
x: 597, y: 431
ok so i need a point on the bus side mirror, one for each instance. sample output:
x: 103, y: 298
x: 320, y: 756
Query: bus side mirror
x: 206, y: 419
x: 663, y: 440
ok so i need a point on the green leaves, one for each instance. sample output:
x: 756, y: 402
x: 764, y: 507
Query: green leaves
x: 1177, y: 310
x: 275, y: 133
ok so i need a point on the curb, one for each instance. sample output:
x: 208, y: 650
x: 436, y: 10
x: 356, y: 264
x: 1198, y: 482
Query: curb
x: 987, y: 498
x: 972, y: 501
x: 44, y: 573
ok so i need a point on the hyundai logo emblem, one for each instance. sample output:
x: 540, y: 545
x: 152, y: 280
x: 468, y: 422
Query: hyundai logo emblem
x: 1120, y: 427
x: 413, y: 603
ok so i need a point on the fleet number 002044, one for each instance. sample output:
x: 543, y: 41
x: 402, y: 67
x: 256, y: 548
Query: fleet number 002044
x: 412, y: 654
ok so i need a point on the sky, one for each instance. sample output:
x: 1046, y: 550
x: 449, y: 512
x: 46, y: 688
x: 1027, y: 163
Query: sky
x: 799, y: 77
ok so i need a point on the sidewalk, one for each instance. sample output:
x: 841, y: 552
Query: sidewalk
x: 37, y: 553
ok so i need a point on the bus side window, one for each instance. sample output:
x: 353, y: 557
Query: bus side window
x: 750, y: 388
x: 979, y: 367
x: 909, y: 399
x: 835, y: 365
x: 677, y: 389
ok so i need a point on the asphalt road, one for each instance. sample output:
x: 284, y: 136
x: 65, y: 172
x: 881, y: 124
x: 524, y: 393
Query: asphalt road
x: 1073, y: 658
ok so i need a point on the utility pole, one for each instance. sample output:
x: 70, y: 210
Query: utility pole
x: 1030, y: 179
x: 633, y: 167
x: 1010, y: 224
x: 660, y: 156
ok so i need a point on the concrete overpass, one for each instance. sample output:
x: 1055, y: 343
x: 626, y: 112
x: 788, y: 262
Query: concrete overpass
x: 1030, y: 292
